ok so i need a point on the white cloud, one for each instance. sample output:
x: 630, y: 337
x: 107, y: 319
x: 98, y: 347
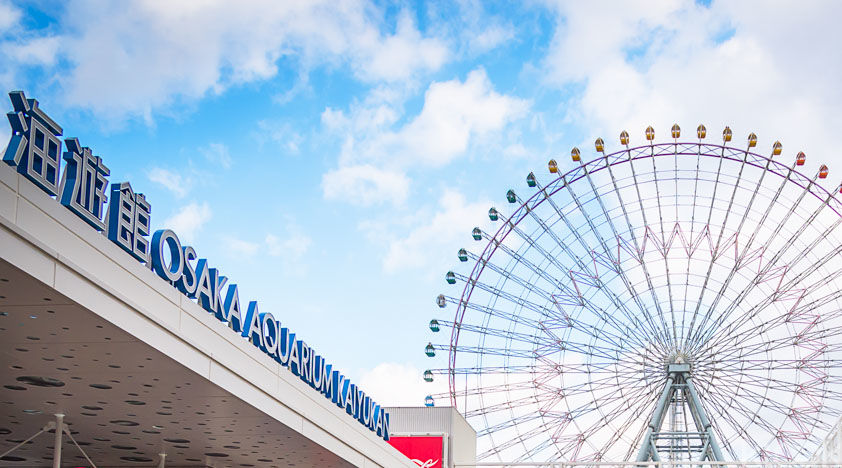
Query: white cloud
x: 395, y: 384
x: 365, y: 185
x: 375, y: 158
x: 491, y: 37
x: 188, y: 221
x: 9, y: 15
x: 240, y: 247
x: 37, y: 51
x: 433, y: 239
x: 282, y: 134
x: 398, y: 56
x: 217, y: 153
x: 134, y: 58
x: 291, y: 247
x: 481, y: 30
x: 776, y: 73
x: 172, y: 181
x: 454, y: 112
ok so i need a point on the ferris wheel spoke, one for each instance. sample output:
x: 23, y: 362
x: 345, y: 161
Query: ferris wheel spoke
x: 513, y: 299
x: 762, y: 400
x: 493, y: 389
x: 515, y: 319
x: 747, y: 209
x: 787, y: 291
x: 507, y: 405
x: 713, y: 198
x: 614, y: 260
x: 697, y: 311
x: 519, y: 439
x: 583, y: 271
x: 509, y: 423
x: 613, y: 338
x: 670, y: 338
x: 741, y: 256
x: 509, y: 335
x: 721, y: 409
x: 801, y: 419
x: 640, y: 399
x: 687, y: 271
x: 765, y: 269
x: 736, y: 348
x: 483, y: 369
x: 541, y: 345
x: 633, y: 236
x: 536, y: 449
x: 663, y: 241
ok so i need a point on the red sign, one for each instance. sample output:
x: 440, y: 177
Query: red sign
x: 424, y: 451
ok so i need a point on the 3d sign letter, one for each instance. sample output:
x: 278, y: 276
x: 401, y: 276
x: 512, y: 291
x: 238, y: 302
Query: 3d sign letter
x: 34, y: 147
x: 83, y: 183
x: 128, y: 220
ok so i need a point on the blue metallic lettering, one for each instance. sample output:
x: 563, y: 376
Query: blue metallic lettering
x: 294, y: 356
x: 83, y: 184
x: 385, y: 433
x: 129, y: 220
x: 365, y: 411
x: 218, y: 304
x: 251, y: 325
x: 327, y: 387
x: 188, y: 284
x: 375, y: 415
x: 34, y: 147
x: 285, y: 346
x: 350, y: 397
x: 231, y: 309
x: 268, y: 334
x: 165, y: 238
x: 378, y: 425
x: 317, y: 372
x: 204, y: 291
x: 359, y: 401
x: 304, y: 370
x: 339, y: 384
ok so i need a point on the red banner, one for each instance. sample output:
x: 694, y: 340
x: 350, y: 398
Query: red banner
x: 424, y: 451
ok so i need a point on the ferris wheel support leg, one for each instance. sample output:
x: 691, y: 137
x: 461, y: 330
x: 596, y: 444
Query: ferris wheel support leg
x: 694, y: 396
x: 647, y: 445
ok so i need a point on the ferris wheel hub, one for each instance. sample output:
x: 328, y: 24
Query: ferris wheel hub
x: 678, y: 360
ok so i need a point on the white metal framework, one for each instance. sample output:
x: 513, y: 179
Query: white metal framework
x: 571, y: 317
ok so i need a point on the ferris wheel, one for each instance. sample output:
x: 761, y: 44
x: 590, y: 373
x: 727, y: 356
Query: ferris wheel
x: 675, y: 300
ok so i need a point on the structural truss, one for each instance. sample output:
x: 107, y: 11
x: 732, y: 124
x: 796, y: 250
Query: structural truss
x: 570, y: 319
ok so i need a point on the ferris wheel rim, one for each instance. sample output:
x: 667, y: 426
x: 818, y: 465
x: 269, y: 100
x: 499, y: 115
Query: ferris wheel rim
x: 493, y: 241
x: 516, y: 283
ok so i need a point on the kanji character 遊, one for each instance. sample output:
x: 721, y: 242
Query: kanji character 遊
x: 83, y: 183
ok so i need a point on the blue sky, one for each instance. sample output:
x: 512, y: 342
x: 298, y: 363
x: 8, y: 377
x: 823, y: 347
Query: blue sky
x: 332, y: 157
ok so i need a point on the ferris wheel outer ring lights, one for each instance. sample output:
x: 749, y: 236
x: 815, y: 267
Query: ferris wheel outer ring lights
x: 517, y: 216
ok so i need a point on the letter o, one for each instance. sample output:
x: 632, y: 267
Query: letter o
x: 161, y: 238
